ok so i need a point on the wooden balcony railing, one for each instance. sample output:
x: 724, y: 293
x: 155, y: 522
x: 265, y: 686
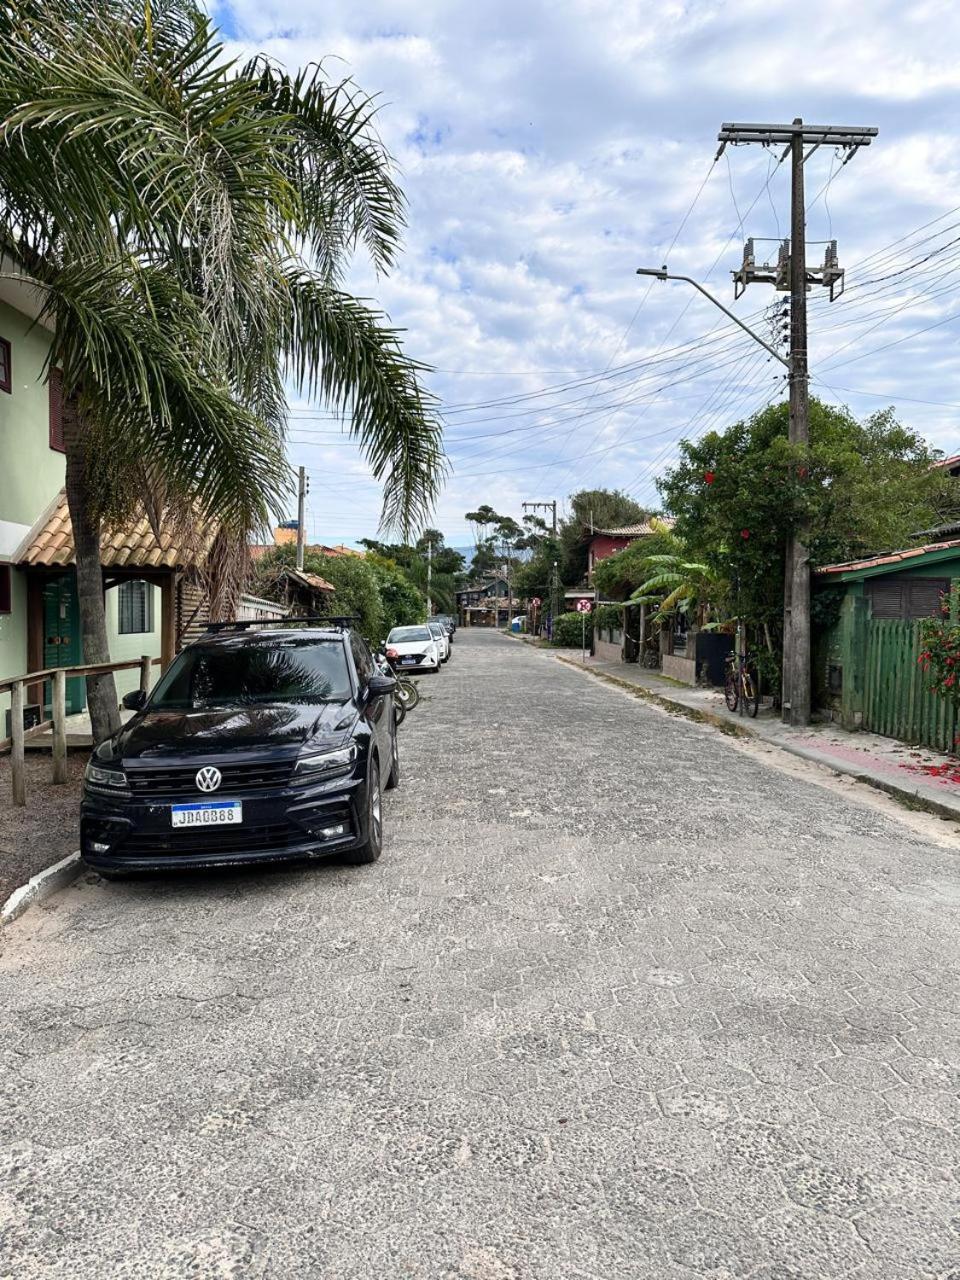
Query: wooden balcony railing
x: 17, y: 686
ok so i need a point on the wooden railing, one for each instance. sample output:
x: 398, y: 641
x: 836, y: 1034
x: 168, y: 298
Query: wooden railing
x: 17, y: 686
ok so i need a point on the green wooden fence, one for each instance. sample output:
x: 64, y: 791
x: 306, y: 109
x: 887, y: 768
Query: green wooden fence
x: 896, y: 701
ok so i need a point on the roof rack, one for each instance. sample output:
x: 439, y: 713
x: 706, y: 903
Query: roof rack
x: 244, y: 624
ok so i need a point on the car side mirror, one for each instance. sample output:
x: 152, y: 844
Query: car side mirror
x: 135, y: 701
x: 380, y: 686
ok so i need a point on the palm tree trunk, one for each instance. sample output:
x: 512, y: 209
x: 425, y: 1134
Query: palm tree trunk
x: 101, y: 690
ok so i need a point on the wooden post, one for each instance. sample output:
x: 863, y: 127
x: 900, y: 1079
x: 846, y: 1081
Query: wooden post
x: 59, y: 726
x: 17, y: 769
x: 168, y: 620
x: 145, y: 664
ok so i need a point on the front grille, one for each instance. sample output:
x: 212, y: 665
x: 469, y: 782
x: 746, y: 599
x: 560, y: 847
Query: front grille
x: 223, y: 840
x: 158, y: 783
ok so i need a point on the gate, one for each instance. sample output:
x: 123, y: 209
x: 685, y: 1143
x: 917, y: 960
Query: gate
x: 896, y: 701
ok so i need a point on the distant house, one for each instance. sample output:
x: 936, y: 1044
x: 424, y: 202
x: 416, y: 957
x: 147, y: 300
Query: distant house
x: 484, y: 603
x: 285, y: 535
x: 951, y: 465
x: 607, y: 542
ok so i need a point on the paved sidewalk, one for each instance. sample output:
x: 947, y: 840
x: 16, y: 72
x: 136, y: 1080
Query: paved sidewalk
x: 913, y: 774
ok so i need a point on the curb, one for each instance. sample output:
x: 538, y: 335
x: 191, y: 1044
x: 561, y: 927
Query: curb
x: 41, y: 886
x: 903, y: 795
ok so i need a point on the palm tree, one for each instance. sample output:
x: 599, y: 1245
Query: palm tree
x: 187, y: 223
x: 676, y: 584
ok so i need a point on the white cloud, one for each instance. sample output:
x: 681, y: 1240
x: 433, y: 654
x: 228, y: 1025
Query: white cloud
x: 549, y: 149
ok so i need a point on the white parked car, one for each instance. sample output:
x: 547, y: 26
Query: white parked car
x: 442, y: 637
x: 413, y: 649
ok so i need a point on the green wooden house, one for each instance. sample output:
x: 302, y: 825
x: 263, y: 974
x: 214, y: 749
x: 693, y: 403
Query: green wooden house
x: 866, y: 654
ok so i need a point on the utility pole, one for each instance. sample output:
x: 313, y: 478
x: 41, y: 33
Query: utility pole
x: 544, y: 506
x: 550, y: 506
x: 429, y: 578
x: 302, y: 487
x: 796, y: 579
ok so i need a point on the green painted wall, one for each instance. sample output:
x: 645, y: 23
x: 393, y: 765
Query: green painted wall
x: 13, y: 633
x: 31, y: 472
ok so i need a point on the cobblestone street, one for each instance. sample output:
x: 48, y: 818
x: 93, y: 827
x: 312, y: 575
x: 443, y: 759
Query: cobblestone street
x: 620, y: 1001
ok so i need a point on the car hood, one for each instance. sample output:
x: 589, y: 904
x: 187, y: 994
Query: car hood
x: 161, y: 736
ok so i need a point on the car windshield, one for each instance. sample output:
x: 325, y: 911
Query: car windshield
x: 281, y: 669
x: 401, y: 635
x: 436, y: 629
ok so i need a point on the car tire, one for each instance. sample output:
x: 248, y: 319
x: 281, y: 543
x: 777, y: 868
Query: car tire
x: 393, y: 779
x: 372, y: 847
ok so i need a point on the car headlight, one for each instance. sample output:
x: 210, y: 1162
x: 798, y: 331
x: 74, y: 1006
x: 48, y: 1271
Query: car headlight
x: 326, y: 763
x: 105, y: 779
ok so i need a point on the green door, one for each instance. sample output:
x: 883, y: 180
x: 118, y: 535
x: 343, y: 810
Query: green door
x: 61, y: 637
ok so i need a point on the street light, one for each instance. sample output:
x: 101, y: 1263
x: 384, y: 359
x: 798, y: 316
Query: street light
x: 661, y: 273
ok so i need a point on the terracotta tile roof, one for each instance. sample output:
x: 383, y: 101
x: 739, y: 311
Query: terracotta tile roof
x: 260, y: 549
x: 49, y: 544
x: 634, y: 530
x: 952, y: 461
x: 892, y: 557
x: 311, y: 580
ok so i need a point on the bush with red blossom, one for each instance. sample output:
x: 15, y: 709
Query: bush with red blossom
x: 940, y: 648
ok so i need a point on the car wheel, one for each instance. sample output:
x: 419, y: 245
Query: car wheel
x: 393, y: 780
x: 372, y: 847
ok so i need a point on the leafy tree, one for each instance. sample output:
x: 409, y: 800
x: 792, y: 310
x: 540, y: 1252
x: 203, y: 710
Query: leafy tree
x: 678, y: 585
x: 401, y: 602
x: 356, y: 584
x: 479, y: 521
x: 188, y: 221
x: 860, y: 487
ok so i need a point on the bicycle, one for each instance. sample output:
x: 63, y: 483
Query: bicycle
x: 650, y: 658
x: 742, y: 683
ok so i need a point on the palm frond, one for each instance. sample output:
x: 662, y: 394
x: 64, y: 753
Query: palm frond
x: 337, y: 163
x: 343, y: 351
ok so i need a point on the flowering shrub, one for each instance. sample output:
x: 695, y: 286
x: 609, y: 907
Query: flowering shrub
x: 940, y: 649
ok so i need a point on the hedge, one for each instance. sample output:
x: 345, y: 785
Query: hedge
x: 568, y: 630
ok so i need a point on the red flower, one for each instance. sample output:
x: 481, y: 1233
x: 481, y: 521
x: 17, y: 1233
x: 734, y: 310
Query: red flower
x: 744, y: 533
x: 950, y: 680
x: 709, y: 477
x: 802, y: 472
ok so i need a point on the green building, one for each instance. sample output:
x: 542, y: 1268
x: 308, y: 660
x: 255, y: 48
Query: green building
x: 39, y: 618
x: 866, y: 654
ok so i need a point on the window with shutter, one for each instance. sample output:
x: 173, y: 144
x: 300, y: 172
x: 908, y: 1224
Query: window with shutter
x: 906, y: 598
x: 6, y: 597
x: 55, y: 399
x: 134, y: 607
x: 6, y: 367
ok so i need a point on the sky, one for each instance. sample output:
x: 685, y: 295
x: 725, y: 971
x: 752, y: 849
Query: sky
x: 547, y: 150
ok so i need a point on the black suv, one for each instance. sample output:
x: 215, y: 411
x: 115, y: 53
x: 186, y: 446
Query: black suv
x: 258, y: 744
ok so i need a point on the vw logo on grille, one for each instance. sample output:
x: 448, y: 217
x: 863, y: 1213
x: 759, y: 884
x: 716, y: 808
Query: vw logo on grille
x: 209, y: 779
